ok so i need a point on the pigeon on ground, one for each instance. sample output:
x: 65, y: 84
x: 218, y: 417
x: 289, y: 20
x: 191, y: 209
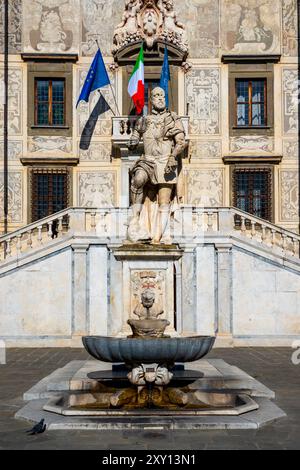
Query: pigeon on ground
x: 37, y: 428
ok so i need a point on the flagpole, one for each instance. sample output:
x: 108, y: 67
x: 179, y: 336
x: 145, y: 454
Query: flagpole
x: 112, y: 90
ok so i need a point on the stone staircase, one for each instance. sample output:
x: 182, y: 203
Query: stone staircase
x: 238, y: 278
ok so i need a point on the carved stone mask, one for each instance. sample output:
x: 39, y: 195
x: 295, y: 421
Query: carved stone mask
x: 148, y: 298
x: 158, y: 99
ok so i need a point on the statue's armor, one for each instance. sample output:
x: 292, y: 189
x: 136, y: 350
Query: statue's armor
x: 158, y: 131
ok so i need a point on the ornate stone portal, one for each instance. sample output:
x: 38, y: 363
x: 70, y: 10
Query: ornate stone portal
x: 150, y: 21
x: 155, y: 174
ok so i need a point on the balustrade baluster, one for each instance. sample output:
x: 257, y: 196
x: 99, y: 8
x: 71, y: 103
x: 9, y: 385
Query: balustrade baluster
x: 40, y: 236
x: 118, y: 214
x: 263, y: 233
x: 93, y: 222
x: 50, y: 232
x: 8, y: 248
x: 284, y: 243
x: 103, y: 223
x: 129, y: 126
x: 199, y: 222
x: 60, y: 226
x: 210, y: 222
x: 122, y: 127
x: 19, y: 244
x: 273, y: 241
x: 253, y: 228
x: 295, y: 246
x: 29, y: 239
x: 243, y: 225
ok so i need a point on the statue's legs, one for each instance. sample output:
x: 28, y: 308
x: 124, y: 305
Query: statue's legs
x: 164, y: 201
x: 138, y: 182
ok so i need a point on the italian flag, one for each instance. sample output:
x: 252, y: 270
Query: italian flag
x: 136, y: 85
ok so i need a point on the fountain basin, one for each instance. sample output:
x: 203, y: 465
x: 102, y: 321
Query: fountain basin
x: 134, y: 351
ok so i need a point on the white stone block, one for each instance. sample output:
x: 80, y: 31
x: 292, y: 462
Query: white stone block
x: 206, y: 299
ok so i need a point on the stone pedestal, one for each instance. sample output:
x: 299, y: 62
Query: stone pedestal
x: 135, y: 268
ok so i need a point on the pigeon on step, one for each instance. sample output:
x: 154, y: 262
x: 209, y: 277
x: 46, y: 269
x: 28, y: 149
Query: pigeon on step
x: 37, y: 428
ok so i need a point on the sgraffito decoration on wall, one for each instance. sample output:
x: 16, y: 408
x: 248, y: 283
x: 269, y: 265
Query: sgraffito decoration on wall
x: 253, y: 144
x: 15, y: 196
x: 51, y: 26
x: 291, y: 149
x: 50, y: 144
x: 289, y: 195
x: 204, y: 187
x: 14, y: 26
x: 290, y: 100
x: 203, y: 99
x: 97, y: 189
x: 15, y: 150
x: 250, y: 26
x: 201, y: 16
x: 289, y: 28
x: 99, y: 18
x: 15, y: 108
x: 201, y: 149
x: 97, y: 152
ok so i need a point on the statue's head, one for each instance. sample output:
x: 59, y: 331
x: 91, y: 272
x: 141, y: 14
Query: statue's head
x: 158, y: 99
x: 148, y: 298
x: 169, y: 5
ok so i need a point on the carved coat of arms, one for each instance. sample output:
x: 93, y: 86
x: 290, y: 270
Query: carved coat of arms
x: 150, y: 21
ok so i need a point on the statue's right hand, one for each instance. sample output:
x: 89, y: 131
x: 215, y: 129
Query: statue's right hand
x: 132, y: 144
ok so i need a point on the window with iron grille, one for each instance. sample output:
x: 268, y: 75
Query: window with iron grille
x: 49, y: 102
x: 252, y: 191
x: 50, y: 192
x: 251, y: 102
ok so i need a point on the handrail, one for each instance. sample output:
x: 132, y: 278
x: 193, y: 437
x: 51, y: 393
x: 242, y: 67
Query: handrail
x: 264, y: 222
x: 36, y: 224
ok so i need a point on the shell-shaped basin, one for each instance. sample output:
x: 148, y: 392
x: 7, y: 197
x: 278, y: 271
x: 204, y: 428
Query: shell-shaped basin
x: 148, y: 351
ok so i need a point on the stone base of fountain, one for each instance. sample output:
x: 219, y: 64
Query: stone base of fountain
x: 154, y: 402
x: 220, y: 396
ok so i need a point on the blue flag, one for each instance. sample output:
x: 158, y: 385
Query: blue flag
x: 97, y: 77
x: 165, y: 76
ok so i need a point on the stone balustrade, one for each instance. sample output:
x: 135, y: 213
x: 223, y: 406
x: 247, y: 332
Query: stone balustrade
x: 266, y: 233
x: 124, y: 125
x: 35, y: 235
x: 188, y: 224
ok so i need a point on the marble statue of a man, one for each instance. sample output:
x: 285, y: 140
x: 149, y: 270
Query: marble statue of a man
x: 154, y: 176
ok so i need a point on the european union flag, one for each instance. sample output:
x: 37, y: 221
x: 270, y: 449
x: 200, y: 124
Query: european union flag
x: 97, y: 77
x: 165, y: 76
